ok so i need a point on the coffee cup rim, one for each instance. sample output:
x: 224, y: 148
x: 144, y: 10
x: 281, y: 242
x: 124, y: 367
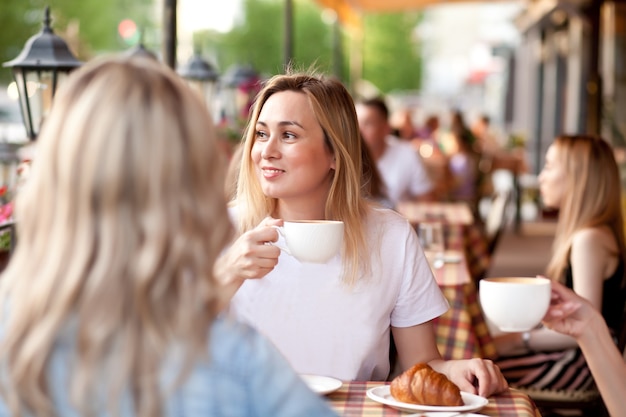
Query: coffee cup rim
x: 314, y: 221
x: 517, y: 280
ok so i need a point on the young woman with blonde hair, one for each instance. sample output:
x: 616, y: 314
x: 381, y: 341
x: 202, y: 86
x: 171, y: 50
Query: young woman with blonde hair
x: 581, y: 179
x: 110, y: 306
x: 302, y: 161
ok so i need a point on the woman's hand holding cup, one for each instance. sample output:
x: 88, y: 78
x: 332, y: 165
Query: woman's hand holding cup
x: 255, y: 253
x: 250, y: 256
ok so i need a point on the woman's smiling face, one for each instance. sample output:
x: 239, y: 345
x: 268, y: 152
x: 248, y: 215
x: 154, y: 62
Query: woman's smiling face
x: 292, y: 160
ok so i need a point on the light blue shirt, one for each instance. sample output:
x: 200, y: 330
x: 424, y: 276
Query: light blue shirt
x: 244, y: 376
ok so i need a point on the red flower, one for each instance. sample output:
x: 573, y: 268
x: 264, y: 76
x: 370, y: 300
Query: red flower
x: 6, y: 211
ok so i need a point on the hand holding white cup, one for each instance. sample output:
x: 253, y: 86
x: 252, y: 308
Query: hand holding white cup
x: 315, y: 241
x: 515, y: 304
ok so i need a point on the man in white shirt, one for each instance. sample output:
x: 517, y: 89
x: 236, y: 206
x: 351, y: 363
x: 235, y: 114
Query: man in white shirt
x: 399, y: 165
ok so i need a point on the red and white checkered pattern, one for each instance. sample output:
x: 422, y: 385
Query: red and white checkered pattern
x: 351, y: 401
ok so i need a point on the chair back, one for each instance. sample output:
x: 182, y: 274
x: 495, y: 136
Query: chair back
x: 496, y: 219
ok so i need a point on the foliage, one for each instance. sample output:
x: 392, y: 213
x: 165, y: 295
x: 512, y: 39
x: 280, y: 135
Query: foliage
x: 5, y: 241
x: 258, y: 39
x: 89, y: 27
x: 391, y: 59
x: 390, y: 50
x: 6, y: 214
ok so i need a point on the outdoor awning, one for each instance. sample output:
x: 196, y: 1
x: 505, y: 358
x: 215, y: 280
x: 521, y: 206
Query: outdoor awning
x: 390, y: 5
x: 350, y: 12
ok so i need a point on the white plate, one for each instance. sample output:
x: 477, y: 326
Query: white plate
x: 452, y: 258
x: 445, y: 414
x: 321, y: 384
x: 382, y: 395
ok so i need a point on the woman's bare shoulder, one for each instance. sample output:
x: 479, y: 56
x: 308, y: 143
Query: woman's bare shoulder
x: 594, y: 237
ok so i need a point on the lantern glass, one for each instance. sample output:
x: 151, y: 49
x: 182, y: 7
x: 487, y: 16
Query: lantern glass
x: 36, y: 88
x: 20, y: 83
x: 205, y: 89
x: 240, y: 85
x: 201, y: 77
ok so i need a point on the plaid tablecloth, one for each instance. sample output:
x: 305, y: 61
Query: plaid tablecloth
x: 461, y: 230
x: 470, y: 239
x: 351, y: 401
x: 461, y: 332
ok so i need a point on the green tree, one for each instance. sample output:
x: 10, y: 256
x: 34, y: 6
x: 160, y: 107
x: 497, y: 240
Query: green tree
x: 259, y: 38
x: 391, y: 58
x: 90, y: 27
x: 312, y: 37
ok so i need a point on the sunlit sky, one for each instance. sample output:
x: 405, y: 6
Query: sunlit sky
x: 208, y: 14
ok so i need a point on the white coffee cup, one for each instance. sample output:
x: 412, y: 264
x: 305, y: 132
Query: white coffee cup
x: 315, y: 241
x: 514, y: 304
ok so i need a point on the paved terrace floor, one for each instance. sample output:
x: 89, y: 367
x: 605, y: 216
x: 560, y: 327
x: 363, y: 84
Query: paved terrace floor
x: 523, y: 253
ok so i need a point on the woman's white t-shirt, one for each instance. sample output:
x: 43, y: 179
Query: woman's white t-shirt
x: 326, y: 327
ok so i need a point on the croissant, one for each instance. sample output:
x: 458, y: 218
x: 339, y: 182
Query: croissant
x: 421, y: 384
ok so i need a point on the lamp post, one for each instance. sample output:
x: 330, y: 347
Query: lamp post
x: 38, y: 70
x: 201, y: 76
x: 241, y: 84
x: 240, y: 74
x: 141, y: 51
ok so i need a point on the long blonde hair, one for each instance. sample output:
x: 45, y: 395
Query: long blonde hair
x: 334, y: 109
x: 119, y: 226
x: 592, y: 197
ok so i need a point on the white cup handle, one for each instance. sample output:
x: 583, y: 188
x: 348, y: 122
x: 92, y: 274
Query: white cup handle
x: 281, y: 232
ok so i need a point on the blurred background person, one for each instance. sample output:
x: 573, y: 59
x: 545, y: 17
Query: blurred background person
x: 372, y: 182
x: 399, y: 165
x: 463, y: 161
x: 427, y: 144
x: 403, y: 126
x: 430, y: 129
x: 485, y: 137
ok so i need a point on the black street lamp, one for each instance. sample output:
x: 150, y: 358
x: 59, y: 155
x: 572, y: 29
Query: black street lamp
x: 201, y: 76
x: 237, y: 75
x: 240, y: 84
x: 38, y: 70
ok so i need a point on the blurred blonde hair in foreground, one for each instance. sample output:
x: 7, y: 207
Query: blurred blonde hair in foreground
x: 119, y: 226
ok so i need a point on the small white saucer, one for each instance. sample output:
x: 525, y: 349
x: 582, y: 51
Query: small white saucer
x: 321, y: 384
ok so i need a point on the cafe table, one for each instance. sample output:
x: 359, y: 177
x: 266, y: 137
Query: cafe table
x: 446, y: 212
x: 462, y: 332
x: 351, y: 401
x: 461, y: 231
